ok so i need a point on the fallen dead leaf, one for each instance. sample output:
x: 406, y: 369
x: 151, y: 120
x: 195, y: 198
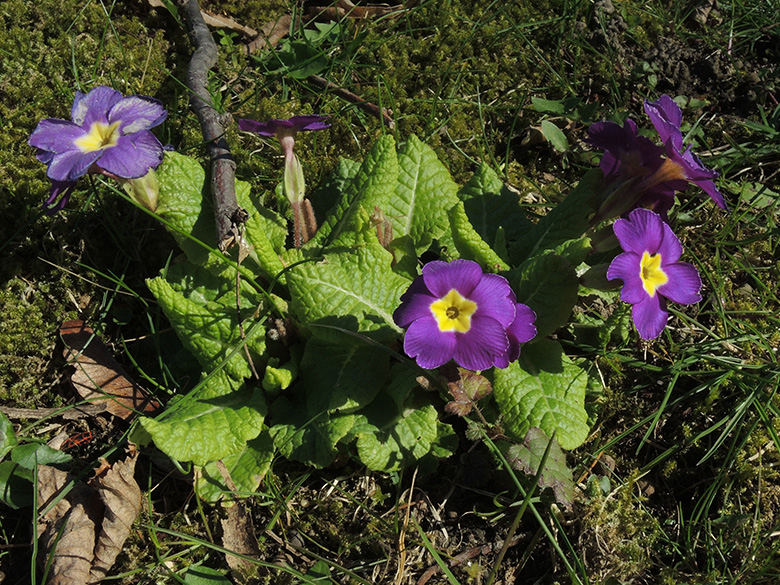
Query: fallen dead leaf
x: 121, y: 498
x: 99, y: 377
x: 83, y: 533
x: 67, y: 531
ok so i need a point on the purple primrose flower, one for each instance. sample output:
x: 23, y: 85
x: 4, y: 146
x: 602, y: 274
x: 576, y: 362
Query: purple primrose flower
x: 455, y: 311
x: 108, y: 134
x: 666, y: 116
x: 650, y: 270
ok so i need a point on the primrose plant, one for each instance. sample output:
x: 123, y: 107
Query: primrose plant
x: 339, y: 341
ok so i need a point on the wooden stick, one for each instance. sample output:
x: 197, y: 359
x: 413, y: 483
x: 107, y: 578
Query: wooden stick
x: 227, y: 214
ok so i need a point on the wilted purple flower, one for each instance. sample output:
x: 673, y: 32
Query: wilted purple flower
x: 108, y: 134
x: 651, y: 272
x: 455, y: 311
x: 638, y: 167
x: 666, y: 116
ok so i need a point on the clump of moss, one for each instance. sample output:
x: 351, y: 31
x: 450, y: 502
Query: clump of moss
x: 618, y: 534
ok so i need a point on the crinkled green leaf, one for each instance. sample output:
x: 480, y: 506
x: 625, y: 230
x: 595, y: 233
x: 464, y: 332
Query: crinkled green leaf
x: 548, y: 284
x: 342, y: 373
x: 279, y: 378
x: 569, y: 220
x: 32, y: 454
x: 356, y: 283
x: 7, y: 436
x: 200, y: 575
x: 493, y: 210
x: 423, y: 195
x: 247, y: 468
x: 327, y: 196
x: 310, y: 438
x: 470, y: 245
x: 213, y: 421
x: 376, y: 180
x: 575, y: 251
x: 527, y: 457
x: 388, y: 439
x: 209, y: 331
x: 544, y: 389
x: 185, y: 205
x: 265, y: 233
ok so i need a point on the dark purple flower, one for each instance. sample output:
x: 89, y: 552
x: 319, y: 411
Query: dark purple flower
x: 455, y: 311
x: 280, y: 128
x: 108, y: 134
x: 651, y: 271
x: 666, y: 116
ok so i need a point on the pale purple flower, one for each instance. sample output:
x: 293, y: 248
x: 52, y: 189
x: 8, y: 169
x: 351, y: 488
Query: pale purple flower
x: 107, y: 134
x: 455, y: 311
x: 651, y: 271
x: 666, y: 116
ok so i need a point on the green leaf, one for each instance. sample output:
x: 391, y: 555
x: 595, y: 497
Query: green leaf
x: 214, y: 420
x: 309, y: 437
x: 356, y: 289
x: 204, y: 322
x: 319, y: 573
x: 555, y: 136
x: 200, y: 575
x: 423, y: 195
x: 7, y: 436
x: 527, y: 457
x: 32, y: 454
x: 375, y: 181
x: 342, y: 373
x: 569, y: 220
x: 15, y: 485
x: 470, y: 245
x: 549, y: 285
x: 185, y: 205
x: 265, y: 233
x: 493, y: 210
x: 247, y: 468
x: 544, y: 389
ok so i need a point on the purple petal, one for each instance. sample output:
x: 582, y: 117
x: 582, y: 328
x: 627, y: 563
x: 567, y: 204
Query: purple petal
x: 710, y: 189
x: 59, y: 189
x: 133, y: 155
x: 523, y: 328
x: 78, y: 110
x: 479, y: 348
x: 137, y: 113
x: 462, y: 275
x: 429, y: 346
x: 670, y: 248
x: 69, y: 166
x: 684, y: 284
x: 55, y: 135
x: 95, y: 106
x: 650, y: 317
x: 666, y: 116
x: 415, y: 304
x: 642, y: 231
x: 626, y: 267
x: 494, y: 298
x: 262, y: 128
x: 309, y: 122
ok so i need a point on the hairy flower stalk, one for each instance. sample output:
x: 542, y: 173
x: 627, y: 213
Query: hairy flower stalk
x: 456, y: 312
x: 651, y: 271
x: 108, y: 134
x: 304, y: 223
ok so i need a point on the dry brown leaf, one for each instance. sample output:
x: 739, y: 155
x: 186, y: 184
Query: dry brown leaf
x: 67, y: 531
x: 121, y: 498
x: 99, y: 376
x: 85, y: 530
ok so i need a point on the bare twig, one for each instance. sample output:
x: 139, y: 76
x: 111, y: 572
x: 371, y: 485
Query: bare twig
x: 354, y: 99
x: 227, y: 214
x: 70, y: 413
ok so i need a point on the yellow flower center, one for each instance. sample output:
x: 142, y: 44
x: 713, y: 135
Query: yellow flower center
x: 100, y: 136
x: 651, y: 273
x: 453, y: 312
